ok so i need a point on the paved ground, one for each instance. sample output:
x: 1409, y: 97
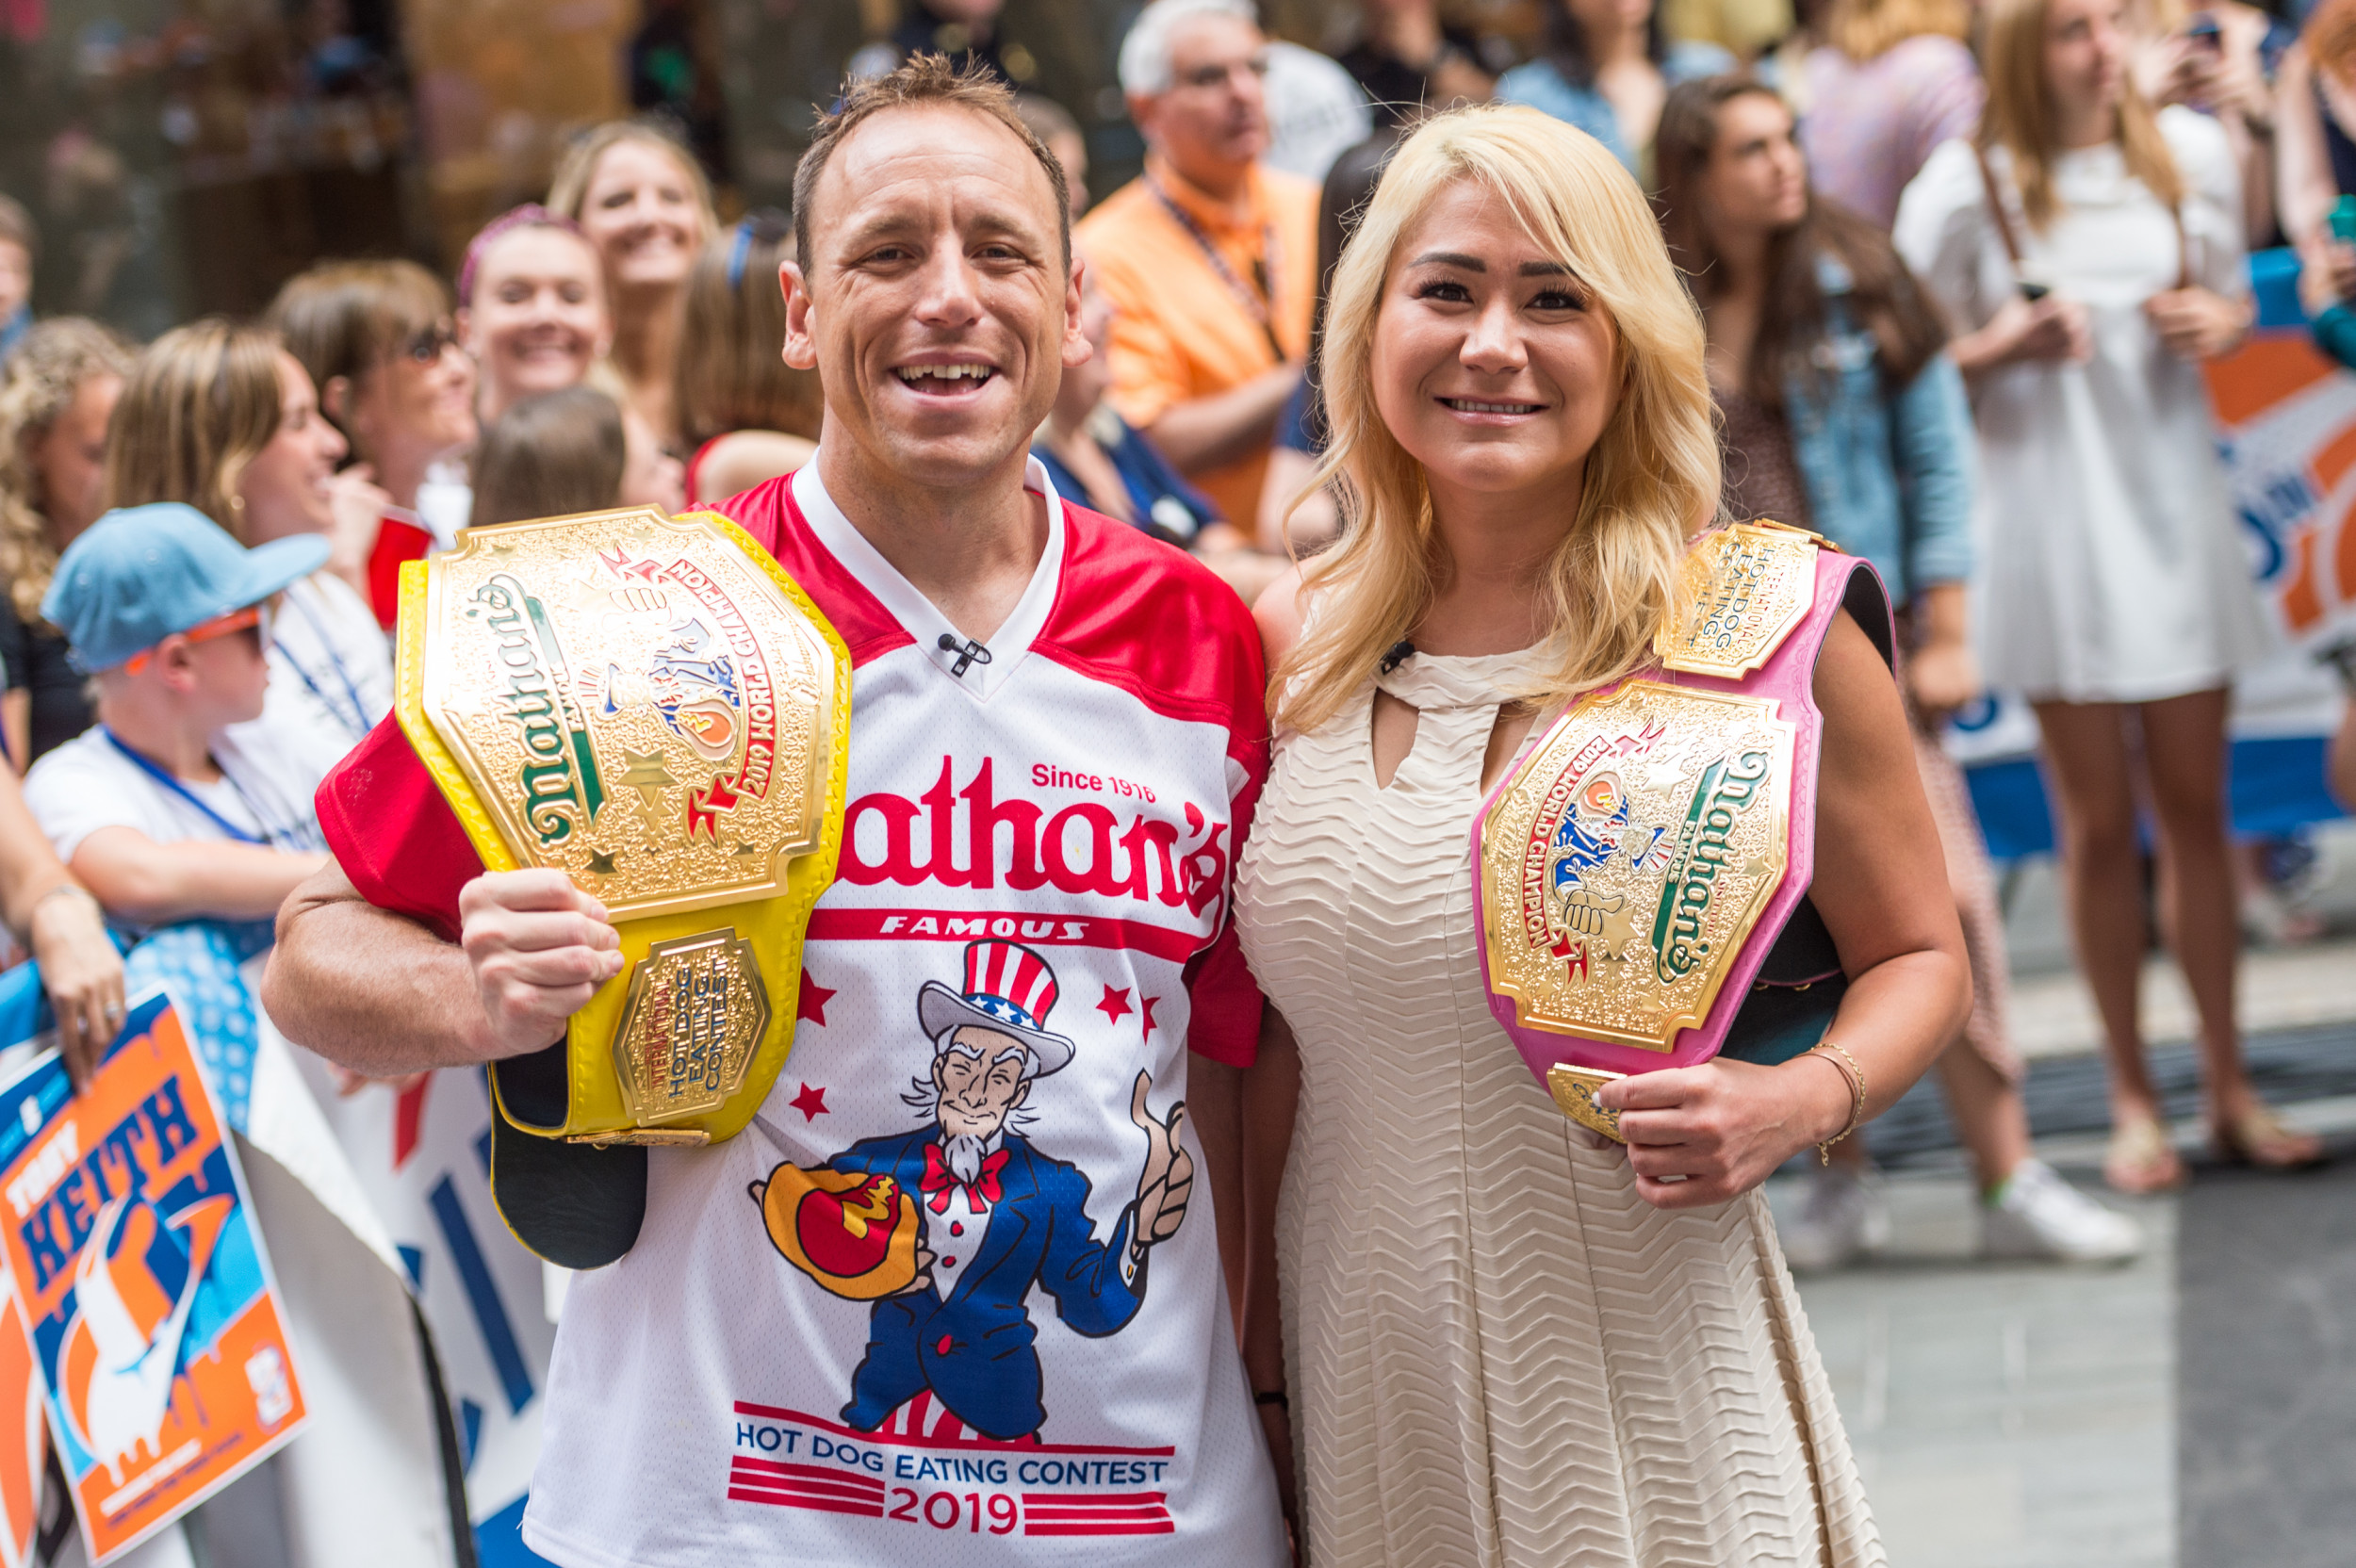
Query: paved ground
x: 2196, y: 1408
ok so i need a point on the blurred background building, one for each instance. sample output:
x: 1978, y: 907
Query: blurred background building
x: 184, y: 156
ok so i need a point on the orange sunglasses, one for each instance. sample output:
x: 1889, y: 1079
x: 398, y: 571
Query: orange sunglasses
x: 202, y: 632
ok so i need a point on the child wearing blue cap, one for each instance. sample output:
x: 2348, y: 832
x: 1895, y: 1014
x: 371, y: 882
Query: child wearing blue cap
x: 174, y: 807
x: 159, y: 809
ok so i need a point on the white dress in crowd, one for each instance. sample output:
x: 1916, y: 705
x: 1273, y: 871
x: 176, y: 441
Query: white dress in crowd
x: 2112, y: 571
x: 1498, y: 1356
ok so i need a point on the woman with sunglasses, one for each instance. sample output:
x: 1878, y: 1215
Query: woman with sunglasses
x: 224, y: 418
x: 378, y: 341
x: 749, y: 414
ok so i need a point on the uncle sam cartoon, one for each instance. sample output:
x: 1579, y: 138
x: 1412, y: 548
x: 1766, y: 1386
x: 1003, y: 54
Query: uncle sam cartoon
x: 948, y: 1227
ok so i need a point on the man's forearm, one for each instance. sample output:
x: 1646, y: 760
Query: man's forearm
x: 1225, y: 427
x: 368, y: 989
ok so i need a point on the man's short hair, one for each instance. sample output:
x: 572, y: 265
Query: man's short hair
x: 1145, y: 66
x: 924, y: 79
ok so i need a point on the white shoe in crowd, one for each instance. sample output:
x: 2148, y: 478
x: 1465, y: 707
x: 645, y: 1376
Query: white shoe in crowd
x: 1846, y: 1215
x: 2038, y: 1214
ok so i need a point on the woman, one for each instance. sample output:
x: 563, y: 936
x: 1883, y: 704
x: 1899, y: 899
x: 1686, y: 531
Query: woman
x: 1891, y: 81
x: 2316, y: 157
x: 645, y: 203
x: 224, y: 418
x: 530, y: 307
x: 2221, y: 57
x: 1839, y: 413
x: 1606, y: 66
x: 377, y: 340
x: 57, y: 390
x: 749, y: 414
x: 1407, y: 58
x: 1512, y: 1344
x: 57, y: 920
x: 574, y: 450
x: 2118, y: 598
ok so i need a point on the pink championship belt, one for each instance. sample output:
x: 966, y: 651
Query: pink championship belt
x: 1641, y: 857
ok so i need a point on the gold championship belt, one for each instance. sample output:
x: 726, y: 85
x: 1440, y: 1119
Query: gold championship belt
x: 652, y: 707
x: 1638, y: 861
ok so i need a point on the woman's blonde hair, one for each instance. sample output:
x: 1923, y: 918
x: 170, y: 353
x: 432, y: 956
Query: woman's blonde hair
x: 2020, y: 112
x: 201, y: 403
x: 568, y: 190
x: 1650, y: 483
x: 38, y: 381
x: 1866, y: 29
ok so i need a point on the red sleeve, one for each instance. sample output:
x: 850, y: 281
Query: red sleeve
x: 396, y: 542
x: 395, y: 837
x: 1157, y: 623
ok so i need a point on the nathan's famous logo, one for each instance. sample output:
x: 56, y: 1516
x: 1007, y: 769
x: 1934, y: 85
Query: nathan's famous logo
x: 562, y: 785
x: 1726, y: 790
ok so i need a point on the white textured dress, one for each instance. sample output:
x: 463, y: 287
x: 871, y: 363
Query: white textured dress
x: 1499, y: 1356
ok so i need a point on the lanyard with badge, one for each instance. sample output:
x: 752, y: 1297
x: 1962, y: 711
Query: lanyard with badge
x: 356, y: 723
x: 1259, y: 304
x: 269, y: 837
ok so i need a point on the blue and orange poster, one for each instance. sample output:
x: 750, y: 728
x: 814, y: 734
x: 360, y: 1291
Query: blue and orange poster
x: 154, y: 1331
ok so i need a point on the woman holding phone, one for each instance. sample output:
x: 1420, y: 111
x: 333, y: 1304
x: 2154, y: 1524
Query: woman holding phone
x: 2118, y: 598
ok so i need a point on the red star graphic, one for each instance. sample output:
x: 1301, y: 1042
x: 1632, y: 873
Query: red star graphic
x: 810, y: 1102
x: 1116, y: 1004
x: 812, y: 1003
x: 1147, y: 1005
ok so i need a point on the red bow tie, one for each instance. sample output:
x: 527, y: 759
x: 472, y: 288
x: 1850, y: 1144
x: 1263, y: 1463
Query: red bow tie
x: 939, y: 1180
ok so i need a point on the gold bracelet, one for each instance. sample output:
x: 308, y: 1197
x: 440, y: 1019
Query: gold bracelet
x: 1856, y: 1077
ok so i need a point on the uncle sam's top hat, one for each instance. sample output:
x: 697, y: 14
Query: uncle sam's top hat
x: 1008, y: 988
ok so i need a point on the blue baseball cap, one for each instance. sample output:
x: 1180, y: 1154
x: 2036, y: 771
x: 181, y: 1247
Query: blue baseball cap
x: 141, y: 573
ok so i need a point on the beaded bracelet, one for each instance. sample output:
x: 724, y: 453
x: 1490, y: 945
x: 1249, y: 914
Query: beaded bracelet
x: 1855, y: 1078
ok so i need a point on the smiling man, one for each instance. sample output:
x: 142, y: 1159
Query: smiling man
x: 1055, y: 741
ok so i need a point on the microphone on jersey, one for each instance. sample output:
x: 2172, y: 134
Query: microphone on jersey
x: 969, y: 652
x: 1400, y: 652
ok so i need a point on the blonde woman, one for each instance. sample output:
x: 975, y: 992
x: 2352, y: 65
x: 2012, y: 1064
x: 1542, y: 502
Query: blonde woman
x: 57, y: 389
x: 224, y: 418
x: 643, y: 200
x: 1501, y: 1340
x: 2118, y: 599
x: 1891, y: 80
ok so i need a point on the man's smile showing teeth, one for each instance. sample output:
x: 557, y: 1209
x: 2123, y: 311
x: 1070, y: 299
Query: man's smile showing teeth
x: 943, y: 378
x: 1468, y: 405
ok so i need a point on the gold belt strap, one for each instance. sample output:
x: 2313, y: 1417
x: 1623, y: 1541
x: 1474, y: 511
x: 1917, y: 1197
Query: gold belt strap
x: 651, y: 706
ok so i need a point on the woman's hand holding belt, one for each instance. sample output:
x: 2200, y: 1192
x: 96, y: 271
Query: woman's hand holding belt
x: 1698, y: 1136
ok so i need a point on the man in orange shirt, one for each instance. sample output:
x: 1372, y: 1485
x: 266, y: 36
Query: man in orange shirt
x: 1210, y: 257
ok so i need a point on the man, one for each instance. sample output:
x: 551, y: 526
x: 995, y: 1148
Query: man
x: 998, y: 1216
x: 1056, y: 736
x: 1210, y: 256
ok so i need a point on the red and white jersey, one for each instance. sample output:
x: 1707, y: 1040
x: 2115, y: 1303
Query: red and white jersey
x: 1028, y: 931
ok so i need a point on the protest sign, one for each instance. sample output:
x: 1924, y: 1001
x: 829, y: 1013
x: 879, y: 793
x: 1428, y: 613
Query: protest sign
x: 158, y: 1342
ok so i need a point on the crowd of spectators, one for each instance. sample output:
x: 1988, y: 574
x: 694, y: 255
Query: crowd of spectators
x: 1958, y: 265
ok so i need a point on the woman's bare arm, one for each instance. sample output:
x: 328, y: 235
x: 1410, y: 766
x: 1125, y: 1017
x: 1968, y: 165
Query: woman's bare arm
x: 1881, y: 886
x: 1270, y: 1096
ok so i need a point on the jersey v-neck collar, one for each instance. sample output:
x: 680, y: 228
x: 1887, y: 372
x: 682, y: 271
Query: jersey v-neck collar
x: 905, y: 603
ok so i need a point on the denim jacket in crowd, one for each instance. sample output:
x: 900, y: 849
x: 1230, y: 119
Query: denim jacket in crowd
x: 1889, y: 476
